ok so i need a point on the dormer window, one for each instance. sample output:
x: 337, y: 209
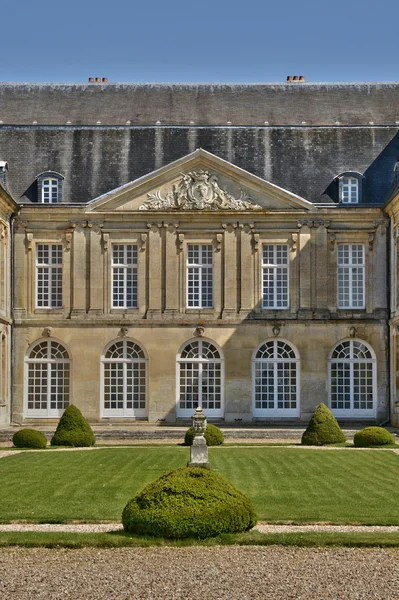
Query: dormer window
x: 50, y: 191
x: 49, y: 187
x: 350, y: 187
x: 350, y: 190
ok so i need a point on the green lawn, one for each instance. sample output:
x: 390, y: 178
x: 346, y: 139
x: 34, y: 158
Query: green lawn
x: 251, y: 538
x: 286, y: 484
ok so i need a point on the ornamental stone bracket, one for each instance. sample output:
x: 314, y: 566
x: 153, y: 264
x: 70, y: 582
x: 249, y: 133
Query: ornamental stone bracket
x: 180, y: 242
x: 142, y: 242
x: 155, y: 227
x: 3, y: 230
x: 371, y: 239
x: 105, y: 241
x: 29, y: 240
x: 293, y: 242
x: 19, y: 224
x: 68, y: 240
x: 255, y: 241
x: 312, y: 223
x: 198, y: 190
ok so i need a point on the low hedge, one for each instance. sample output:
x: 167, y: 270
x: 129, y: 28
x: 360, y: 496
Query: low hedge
x: 323, y: 429
x: 189, y: 502
x: 213, y: 436
x: 373, y: 436
x: 73, y: 430
x: 29, y: 438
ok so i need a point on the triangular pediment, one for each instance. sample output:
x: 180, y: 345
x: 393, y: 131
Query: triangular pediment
x: 200, y: 182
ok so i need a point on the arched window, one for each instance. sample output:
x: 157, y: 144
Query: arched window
x: 49, y: 187
x: 200, y: 379
x: 124, y: 380
x: 350, y: 187
x: 352, y: 369
x: 275, y: 380
x: 48, y: 377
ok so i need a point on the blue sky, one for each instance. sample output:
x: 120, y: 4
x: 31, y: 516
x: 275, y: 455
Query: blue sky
x: 210, y: 40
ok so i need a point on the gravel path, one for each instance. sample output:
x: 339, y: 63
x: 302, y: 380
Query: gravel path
x: 231, y: 573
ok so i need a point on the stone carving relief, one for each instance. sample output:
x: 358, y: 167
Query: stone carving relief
x: 198, y: 190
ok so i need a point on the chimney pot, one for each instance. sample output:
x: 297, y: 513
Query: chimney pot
x: 301, y: 78
x: 91, y: 79
x: 98, y: 79
x: 289, y: 78
x: 105, y: 79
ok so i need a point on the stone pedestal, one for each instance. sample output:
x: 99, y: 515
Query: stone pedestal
x: 199, y: 449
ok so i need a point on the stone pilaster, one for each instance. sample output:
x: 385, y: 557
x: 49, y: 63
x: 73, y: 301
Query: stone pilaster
x: 96, y: 305
x: 230, y: 270
x: 305, y: 269
x: 20, y: 274
x: 154, y: 270
x: 79, y: 281
x: 171, y: 269
x: 247, y: 270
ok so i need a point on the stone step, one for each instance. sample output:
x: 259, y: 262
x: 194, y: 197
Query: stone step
x: 148, y: 432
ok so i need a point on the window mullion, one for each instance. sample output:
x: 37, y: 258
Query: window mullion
x: 200, y: 285
x: 124, y: 385
x: 48, y: 394
x: 350, y: 269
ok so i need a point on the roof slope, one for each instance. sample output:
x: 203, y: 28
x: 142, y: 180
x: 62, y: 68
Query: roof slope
x: 204, y: 104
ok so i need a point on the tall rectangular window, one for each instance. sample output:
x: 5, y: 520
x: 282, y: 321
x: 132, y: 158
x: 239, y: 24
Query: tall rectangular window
x: 351, y: 276
x: 124, y: 275
x: 49, y: 275
x: 275, y: 275
x: 199, y: 276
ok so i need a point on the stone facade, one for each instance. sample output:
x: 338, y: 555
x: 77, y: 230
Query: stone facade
x: 118, y: 349
x: 7, y: 208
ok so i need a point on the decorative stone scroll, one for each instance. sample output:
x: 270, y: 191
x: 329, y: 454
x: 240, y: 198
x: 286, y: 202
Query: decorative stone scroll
x: 198, y: 190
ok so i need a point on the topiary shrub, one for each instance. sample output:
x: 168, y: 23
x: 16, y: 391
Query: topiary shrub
x: 323, y: 429
x: 73, y: 430
x: 189, y: 502
x: 29, y: 438
x: 373, y: 436
x: 213, y: 436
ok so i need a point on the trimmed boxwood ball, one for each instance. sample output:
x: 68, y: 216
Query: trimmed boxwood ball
x: 29, y: 438
x: 189, y: 502
x: 373, y: 436
x: 213, y: 436
x: 323, y: 429
x: 73, y: 430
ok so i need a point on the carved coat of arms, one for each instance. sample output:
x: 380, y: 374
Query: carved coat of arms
x: 198, y: 190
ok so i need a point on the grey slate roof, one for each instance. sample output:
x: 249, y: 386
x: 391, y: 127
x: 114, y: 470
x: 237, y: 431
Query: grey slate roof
x: 205, y: 104
x: 303, y: 159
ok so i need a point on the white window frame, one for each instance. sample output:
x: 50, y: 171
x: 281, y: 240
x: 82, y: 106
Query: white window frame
x: 350, y: 267
x: 276, y: 411
x: 123, y: 412
x: 352, y: 412
x: 51, y: 268
x: 188, y: 412
x: 48, y: 412
x: 124, y: 268
x: 350, y: 190
x: 275, y: 267
x: 51, y: 189
x: 199, y: 267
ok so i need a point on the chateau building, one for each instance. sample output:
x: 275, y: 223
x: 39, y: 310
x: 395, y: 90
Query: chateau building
x: 164, y: 246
